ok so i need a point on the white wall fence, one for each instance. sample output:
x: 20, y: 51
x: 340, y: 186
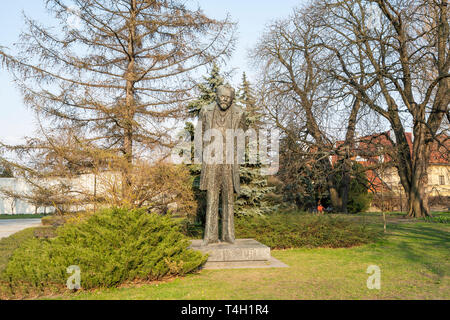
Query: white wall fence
x: 83, y: 184
x: 9, y: 205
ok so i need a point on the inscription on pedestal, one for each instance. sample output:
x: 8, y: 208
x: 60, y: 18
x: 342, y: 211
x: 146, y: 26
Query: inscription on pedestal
x: 241, y: 250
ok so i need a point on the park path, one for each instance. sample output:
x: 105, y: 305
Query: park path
x: 9, y: 227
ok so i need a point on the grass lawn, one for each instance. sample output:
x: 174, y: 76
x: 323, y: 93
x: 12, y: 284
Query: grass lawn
x: 414, y: 258
x: 21, y: 216
x: 11, y: 243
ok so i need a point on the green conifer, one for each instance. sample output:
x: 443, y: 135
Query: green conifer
x: 207, y: 95
x: 254, y: 186
x: 207, y: 91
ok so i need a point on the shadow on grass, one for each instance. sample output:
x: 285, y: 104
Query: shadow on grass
x: 423, y: 244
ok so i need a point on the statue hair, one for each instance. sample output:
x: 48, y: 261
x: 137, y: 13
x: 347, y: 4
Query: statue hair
x: 227, y: 87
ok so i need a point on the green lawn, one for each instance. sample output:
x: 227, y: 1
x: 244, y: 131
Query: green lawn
x: 11, y: 243
x: 21, y: 216
x: 414, y: 259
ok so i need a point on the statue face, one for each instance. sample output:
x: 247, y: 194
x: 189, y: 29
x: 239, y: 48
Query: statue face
x: 225, y: 98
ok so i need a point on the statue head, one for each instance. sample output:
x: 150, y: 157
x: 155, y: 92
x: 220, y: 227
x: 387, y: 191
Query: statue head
x: 225, y: 96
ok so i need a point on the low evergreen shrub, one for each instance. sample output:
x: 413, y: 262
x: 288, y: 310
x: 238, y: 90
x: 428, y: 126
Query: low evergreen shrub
x: 359, y: 202
x: 111, y: 247
x: 294, y: 230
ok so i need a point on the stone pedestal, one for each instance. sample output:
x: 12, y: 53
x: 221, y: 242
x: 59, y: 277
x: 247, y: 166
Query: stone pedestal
x: 244, y: 253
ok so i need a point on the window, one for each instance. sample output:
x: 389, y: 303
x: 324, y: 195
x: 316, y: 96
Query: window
x: 441, y: 180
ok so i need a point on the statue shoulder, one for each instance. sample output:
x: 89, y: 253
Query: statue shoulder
x: 210, y: 107
x: 207, y: 108
x: 239, y: 111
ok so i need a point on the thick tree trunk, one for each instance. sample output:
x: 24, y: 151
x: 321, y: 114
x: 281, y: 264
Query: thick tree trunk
x: 417, y: 205
x: 412, y: 167
x: 349, y: 146
x: 415, y: 187
x: 315, y: 132
x: 418, y: 197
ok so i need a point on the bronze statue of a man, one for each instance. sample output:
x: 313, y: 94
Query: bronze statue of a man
x: 220, y: 177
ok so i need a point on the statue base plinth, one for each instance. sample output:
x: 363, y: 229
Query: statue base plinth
x: 244, y: 253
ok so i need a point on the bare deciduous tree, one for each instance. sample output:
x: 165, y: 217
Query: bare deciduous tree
x: 301, y: 99
x: 407, y: 56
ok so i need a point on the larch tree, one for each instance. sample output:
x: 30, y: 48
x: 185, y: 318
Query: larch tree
x: 106, y: 85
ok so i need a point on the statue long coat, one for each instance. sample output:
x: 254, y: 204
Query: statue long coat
x: 238, y: 121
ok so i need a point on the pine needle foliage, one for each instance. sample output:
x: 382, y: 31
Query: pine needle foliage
x: 110, y: 247
x: 254, y: 186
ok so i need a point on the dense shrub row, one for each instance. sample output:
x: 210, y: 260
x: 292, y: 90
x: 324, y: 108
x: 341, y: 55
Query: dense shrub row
x: 297, y: 230
x: 282, y: 231
x: 111, y: 247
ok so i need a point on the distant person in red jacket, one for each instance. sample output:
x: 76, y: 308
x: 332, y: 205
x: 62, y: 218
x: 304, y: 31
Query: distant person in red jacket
x: 320, y: 208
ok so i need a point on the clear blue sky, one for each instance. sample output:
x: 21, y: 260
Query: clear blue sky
x: 16, y: 121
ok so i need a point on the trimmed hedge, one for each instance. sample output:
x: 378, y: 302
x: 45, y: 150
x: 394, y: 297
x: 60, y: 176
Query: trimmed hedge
x: 110, y: 247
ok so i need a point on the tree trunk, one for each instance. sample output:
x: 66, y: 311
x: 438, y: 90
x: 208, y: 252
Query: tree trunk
x: 345, y: 184
x: 336, y: 200
x: 417, y: 203
x: 415, y: 188
x: 126, y: 171
x: 130, y: 77
x: 349, y: 146
x: 315, y: 132
x: 418, y: 197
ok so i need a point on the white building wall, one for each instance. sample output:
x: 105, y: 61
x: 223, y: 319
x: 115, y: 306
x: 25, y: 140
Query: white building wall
x: 9, y: 205
x: 83, y: 184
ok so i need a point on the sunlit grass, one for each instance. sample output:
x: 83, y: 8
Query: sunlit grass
x: 414, y: 259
